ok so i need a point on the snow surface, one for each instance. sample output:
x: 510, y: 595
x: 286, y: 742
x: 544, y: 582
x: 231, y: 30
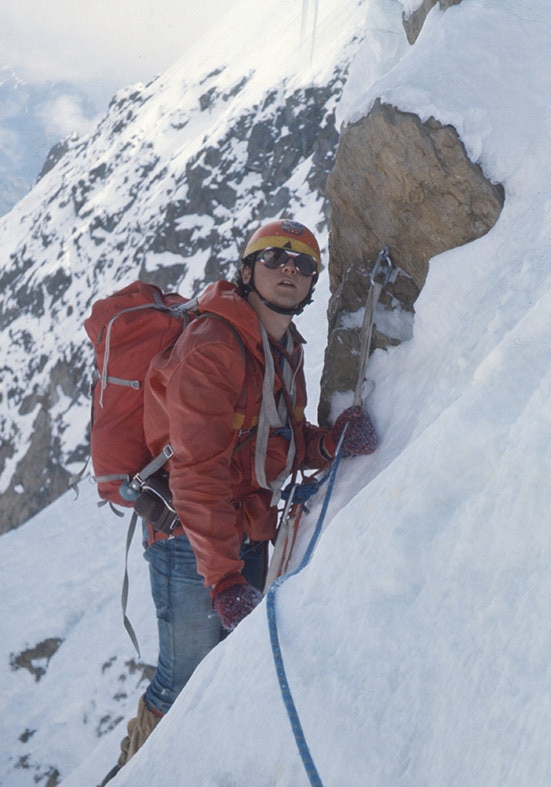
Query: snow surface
x: 417, y: 641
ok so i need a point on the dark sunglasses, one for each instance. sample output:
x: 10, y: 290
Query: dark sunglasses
x: 276, y: 258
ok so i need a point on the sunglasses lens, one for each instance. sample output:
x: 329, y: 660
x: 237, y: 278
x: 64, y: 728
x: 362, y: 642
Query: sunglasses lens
x: 306, y: 265
x: 275, y: 258
x: 272, y: 258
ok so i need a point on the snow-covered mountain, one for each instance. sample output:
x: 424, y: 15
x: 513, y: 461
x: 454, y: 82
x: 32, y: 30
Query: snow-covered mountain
x: 416, y: 641
x: 33, y: 119
x: 166, y: 187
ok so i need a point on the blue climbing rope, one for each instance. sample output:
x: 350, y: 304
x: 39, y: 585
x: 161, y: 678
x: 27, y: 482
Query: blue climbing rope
x: 288, y: 701
x: 301, y: 493
x: 298, y: 732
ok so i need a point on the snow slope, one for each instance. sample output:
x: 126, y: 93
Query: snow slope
x: 416, y: 642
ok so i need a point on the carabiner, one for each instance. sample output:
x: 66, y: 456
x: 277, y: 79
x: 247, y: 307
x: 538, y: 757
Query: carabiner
x: 383, y: 268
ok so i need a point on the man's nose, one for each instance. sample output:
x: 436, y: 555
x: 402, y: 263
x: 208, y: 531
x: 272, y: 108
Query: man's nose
x: 289, y: 264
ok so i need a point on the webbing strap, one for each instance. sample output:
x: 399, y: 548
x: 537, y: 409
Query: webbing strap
x: 102, y: 479
x: 159, y: 461
x: 273, y: 416
x: 75, y: 479
x: 124, y: 595
x: 135, y: 384
x: 148, y: 471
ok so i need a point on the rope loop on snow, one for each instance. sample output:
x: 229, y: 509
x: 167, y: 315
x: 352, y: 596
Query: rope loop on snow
x: 298, y: 732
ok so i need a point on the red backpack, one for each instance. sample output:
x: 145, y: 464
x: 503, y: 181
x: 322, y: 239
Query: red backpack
x: 127, y: 330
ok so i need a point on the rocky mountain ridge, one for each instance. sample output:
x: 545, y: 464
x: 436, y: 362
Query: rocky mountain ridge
x: 166, y: 189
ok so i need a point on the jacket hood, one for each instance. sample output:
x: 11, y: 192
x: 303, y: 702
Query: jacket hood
x: 221, y: 298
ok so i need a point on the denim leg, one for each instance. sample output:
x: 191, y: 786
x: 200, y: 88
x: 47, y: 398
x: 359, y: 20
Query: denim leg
x: 187, y: 628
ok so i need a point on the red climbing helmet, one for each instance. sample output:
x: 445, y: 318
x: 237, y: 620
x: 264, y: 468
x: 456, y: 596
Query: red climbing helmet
x: 284, y: 234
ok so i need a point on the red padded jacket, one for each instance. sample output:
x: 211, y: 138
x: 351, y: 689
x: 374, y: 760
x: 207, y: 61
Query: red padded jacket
x: 204, y: 399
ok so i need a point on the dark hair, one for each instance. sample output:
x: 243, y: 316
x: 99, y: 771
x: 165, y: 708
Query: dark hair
x: 242, y: 288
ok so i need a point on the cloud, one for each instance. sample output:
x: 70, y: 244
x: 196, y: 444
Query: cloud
x: 33, y: 118
x: 111, y: 41
x: 61, y: 62
x: 65, y: 112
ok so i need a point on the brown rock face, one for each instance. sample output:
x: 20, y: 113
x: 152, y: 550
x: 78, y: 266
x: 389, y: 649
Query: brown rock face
x: 408, y: 185
x: 414, y: 22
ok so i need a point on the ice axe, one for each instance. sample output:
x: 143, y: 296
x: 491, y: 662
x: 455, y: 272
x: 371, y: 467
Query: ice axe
x: 380, y: 276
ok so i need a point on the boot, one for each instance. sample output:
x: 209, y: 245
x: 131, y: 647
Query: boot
x: 139, y: 729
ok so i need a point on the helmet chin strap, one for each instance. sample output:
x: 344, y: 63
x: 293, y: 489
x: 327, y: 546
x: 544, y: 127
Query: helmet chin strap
x: 294, y: 310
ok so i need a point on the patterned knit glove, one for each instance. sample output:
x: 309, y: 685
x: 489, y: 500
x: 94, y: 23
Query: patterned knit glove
x: 233, y: 602
x: 360, y: 437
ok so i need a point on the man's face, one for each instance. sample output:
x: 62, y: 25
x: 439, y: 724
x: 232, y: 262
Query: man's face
x: 283, y: 285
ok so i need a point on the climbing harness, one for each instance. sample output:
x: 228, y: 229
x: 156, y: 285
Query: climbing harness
x: 296, y: 496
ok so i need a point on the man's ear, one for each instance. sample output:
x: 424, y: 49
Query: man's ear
x: 246, y: 273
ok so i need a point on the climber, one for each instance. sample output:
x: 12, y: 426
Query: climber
x: 230, y: 400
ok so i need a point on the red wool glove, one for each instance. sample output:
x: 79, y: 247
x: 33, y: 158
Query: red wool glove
x: 360, y: 437
x: 233, y: 599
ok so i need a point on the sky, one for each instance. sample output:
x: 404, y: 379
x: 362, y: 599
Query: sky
x: 417, y: 640
x: 106, y: 44
x: 72, y: 57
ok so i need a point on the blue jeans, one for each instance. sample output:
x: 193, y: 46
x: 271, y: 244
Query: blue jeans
x: 188, y: 626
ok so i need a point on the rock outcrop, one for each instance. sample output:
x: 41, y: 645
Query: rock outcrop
x: 408, y: 185
x: 413, y: 23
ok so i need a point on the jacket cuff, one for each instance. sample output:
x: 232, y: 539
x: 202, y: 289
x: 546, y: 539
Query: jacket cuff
x: 328, y: 447
x: 227, y: 582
